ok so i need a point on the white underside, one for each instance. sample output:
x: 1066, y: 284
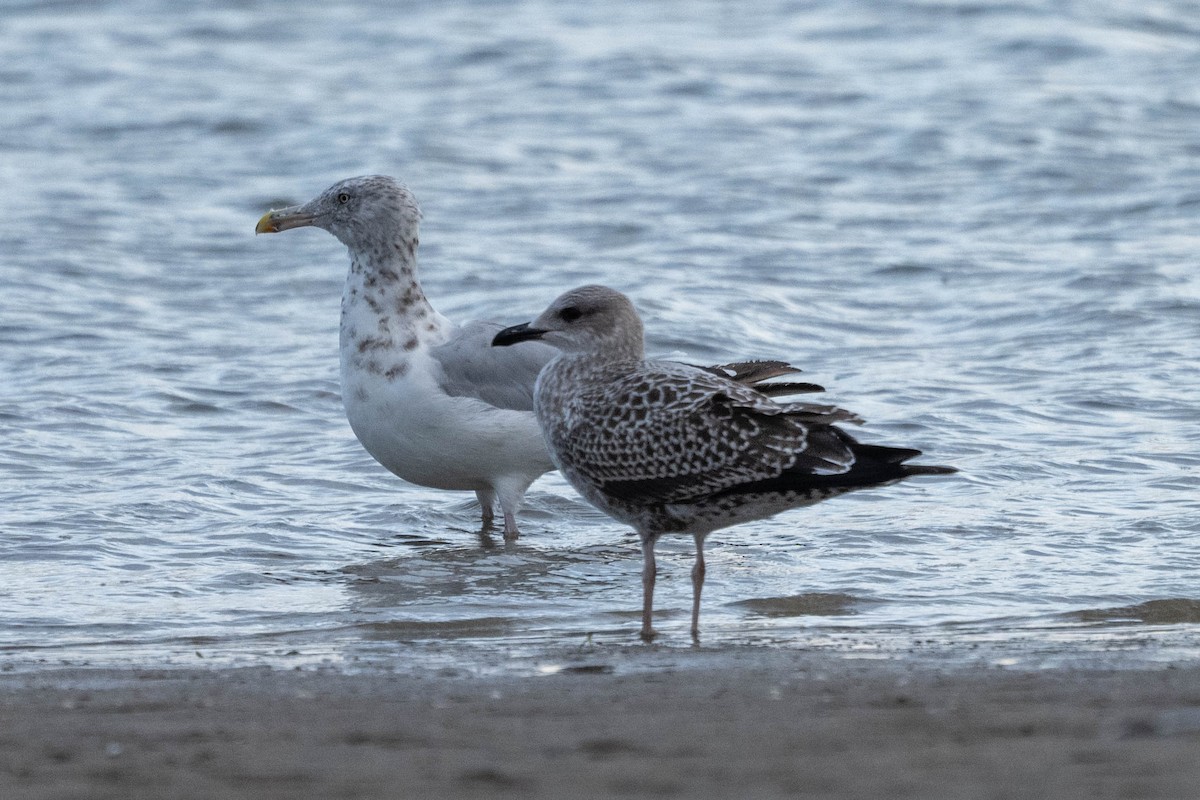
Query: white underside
x: 429, y: 438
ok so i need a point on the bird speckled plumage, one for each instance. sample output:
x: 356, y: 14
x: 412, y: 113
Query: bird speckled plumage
x: 669, y: 448
x: 431, y: 400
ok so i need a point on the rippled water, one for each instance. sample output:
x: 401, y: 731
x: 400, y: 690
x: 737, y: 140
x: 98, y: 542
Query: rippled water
x: 975, y: 223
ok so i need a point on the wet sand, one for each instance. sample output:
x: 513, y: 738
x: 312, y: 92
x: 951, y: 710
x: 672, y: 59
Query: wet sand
x: 760, y: 723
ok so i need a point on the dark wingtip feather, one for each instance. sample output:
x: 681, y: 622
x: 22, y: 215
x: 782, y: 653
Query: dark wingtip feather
x: 881, y: 453
x: 898, y: 455
x: 751, y: 372
x: 922, y: 469
x: 783, y: 389
x: 755, y: 375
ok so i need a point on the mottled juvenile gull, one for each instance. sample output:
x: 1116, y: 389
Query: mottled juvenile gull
x: 669, y: 448
x: 431, y: 400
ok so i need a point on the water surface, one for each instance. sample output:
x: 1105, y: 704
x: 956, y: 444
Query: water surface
x: 975, y: 223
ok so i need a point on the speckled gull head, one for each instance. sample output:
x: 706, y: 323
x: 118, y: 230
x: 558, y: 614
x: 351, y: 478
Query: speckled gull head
x: 592, y: 319
x: 364, y: 213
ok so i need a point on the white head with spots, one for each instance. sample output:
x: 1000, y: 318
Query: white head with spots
x: 373, y: 215
x: 592, y: 320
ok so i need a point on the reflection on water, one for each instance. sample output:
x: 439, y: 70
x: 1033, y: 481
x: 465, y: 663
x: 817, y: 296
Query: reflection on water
x: 800, y: 605
x: 1173, y: 611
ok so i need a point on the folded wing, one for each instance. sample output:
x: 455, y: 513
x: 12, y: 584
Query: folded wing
x: 676, y: 434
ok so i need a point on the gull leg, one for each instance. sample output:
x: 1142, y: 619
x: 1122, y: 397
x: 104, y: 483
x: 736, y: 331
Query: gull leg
x: 510, y: 526
x: 511, y: 491
x: 648, y: 574
x: 486, y: 498
x: 697, y: 586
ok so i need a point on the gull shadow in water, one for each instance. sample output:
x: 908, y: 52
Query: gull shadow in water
x: 450, y: 595
x: 517, y: 578
x: 814, y: 604
x: 1170, y: 611
x: 487, y: 541
x: 409, y: 629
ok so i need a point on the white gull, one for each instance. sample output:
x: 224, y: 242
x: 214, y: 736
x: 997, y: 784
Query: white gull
x: 431, y: 400
x: 669, y: 448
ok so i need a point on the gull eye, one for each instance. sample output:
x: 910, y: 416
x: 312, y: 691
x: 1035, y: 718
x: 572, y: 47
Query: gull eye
x: 570, y: 314
x: 343, y: 198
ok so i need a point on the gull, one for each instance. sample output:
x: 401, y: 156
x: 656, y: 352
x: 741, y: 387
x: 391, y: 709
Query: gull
x: 670, y: 448
x: 431, y: 400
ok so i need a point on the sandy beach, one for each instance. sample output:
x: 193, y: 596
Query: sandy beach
x: 757, y: 723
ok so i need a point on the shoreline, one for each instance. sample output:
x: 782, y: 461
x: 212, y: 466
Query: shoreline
x: 751, y: 723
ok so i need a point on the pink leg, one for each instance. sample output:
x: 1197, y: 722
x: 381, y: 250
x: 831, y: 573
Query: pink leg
x: 648, y: 575
x: 486, y: 498
x: 697, y: 586
x: 510, y: 526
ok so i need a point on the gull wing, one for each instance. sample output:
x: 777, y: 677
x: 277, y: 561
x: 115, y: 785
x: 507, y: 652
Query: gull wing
x: 502, y: 377
x: 670, y: 433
